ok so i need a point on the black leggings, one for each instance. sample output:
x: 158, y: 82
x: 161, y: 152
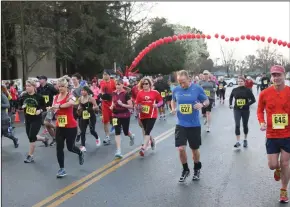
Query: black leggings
x: 4, y: 129
x: 124, y: 123
x: 222, y: 93
x: 244, y: 115
x: 148, y: 125
x: 32, y: 129
x: 68, y: 135
x: 83, y: 127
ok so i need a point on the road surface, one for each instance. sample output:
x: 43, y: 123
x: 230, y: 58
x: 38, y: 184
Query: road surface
x: 229, y: 177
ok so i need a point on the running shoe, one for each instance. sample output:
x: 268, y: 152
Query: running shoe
x: 98, y: 143
x: 29, y: 159
x: 83, y: 149
x: 245, y: 143
x: 142, y: 152
x: 283, y: 196
x: 118, y: 154
x: 196, y: 175
x: 107, y: 141
x: 184, y: 175
x: 61, y: 173
x: 277, y: 174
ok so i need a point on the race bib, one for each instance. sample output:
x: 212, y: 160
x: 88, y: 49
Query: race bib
x: 62, y: 120
x: 163, y: 94
x: 46, y: 98
x: 185, y: 108
x: 145, y: 109
x: 265, y: 82
x: 207, y: 92
x: 221, y: 86
x: 77, y: 101
x: 241, y: 102
x: 86, y: 114
x: 170, y: 93
x: 30, y: 110
x: 279, y: 121
x: 115, y: 121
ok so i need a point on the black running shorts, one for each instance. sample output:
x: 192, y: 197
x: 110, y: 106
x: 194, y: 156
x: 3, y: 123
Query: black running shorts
x: 192, y: 135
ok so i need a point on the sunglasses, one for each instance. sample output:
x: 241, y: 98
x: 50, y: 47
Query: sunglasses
x: 145, y: 83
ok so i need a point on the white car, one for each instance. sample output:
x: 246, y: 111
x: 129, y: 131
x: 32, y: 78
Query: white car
x: 231, y: 81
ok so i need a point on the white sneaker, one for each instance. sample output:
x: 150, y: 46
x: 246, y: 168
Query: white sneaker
x: 98, y: 143
x: 83, y: 149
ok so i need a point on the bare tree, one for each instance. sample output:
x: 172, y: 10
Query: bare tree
x: 267, y: 57
x: 227, y: 58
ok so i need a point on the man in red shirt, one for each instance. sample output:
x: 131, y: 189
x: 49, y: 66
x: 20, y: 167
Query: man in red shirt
x: 107, y: 87
x: 275, y: 100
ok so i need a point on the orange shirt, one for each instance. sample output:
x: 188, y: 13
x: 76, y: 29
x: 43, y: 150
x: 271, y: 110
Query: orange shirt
x: 277, y: 107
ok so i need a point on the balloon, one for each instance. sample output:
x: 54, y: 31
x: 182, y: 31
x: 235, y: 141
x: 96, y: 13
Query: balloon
x: 237, y: 39
x: 262, y: 38
x: 170, y: 39
x: 232, y: 39
x: 216, y: 35
x: 197, y: 36
x: 269, y: 39
x: 288, y: 45
x: 184, y: 36
x: 161, y: 41
x: 202, y: 36
x: 280, y: 42
x: 188, y: 35
x: 253, y: 37
x: 243, y: 37
x: 284, y: 44
x: 258, y: 37
x: 165, y: 40
x: 223, y: 37
x: 226, y: 39
x: 192, y: 36
x: 180, y: 37
x: 248, y: 37
x: 208, y: 36
x: 174, y: 38
x: 275, y: 41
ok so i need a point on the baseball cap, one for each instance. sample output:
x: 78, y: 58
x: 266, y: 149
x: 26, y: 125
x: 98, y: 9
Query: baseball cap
x: 41, y: 77
x: 277, y: 69
x: 205, y: 72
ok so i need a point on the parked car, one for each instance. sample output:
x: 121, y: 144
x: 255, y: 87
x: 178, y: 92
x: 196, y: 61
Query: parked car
x: 231, y: 81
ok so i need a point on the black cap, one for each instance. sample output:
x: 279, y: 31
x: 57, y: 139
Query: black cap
x: 41, y: 77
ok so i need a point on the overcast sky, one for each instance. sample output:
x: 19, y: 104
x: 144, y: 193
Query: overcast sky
x: 231, y: 19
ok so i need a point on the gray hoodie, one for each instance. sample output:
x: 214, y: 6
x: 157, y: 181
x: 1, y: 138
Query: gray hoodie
x: 4, y: 105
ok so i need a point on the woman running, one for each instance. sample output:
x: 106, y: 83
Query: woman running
x: 244, y: 97
x: 221, y: 90
x: 86, y: 111
x: 121, y: 103
x: 33, y: 105
x: 148, y: 113
x: 66, y: 125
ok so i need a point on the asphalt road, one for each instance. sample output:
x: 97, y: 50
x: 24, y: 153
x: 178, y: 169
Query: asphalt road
x: 229, y: 177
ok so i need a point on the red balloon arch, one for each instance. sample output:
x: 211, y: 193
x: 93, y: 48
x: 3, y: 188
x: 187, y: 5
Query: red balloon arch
x: 191, y: 36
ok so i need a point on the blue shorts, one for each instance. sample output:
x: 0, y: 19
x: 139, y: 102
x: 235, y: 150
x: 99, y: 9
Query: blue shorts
x: 274, y: 145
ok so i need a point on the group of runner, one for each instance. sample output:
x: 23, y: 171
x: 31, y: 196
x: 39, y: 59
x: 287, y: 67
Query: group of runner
x: 76, y: 107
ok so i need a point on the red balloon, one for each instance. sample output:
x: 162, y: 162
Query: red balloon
x: 284, y: 44
x: 253, y: 37
x: 226, y: 39
x: 262, y: 38
x: 232, y: 39
x: 202, y: 36
x: 243, y: 37
x: 184, y: 36
x: 280, y: 42
x: 208, y: 36
x: 269, y: 39
x: 223, y: 37
x: 192, y: 36
x: 248, y: 37
x: 161, y: 41
x: 237, y: 39
x: 216, y: 35
x: 134, y: 63
x: 275, y: 41
x: 169, y: 39
x: 188, y: 35
x: 258, y: 37
x: 174, y: 38
x: 165, y: 40
x: 288, y: 45
x: 197, y: 36
x: 180, y: 37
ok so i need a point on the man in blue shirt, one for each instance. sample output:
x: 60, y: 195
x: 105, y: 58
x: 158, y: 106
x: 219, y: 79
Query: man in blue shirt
x: 187, y: 100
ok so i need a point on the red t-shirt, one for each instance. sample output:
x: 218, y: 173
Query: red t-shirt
x: 249, y: 83
x: 64, y: 116
x: 146, y: 99
x: 13, y: 93
x: 108, y: 86
x: 135, y: 91
x: 277, y: 107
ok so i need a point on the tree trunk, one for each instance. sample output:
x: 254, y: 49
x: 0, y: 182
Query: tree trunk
x: 23, y: 50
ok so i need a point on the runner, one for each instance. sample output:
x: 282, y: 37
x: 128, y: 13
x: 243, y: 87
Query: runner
x: 107, y: 86
x: 187, y: 100
x: 249, y: 83
x: 147, y: 107
x: 275, y: 101
x: 265, y: 82
x: 244, y: 97
x: 33, y: 105
x: 258, y: 82
x: 209, y: 89
x: 134, y: 92
x: 162, y: 87
x: 66, y: 125
x: 121, y: 115
x: 221, y: 91
x: 86, y: 111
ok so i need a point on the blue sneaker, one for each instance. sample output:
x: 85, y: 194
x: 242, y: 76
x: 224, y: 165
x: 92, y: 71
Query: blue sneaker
x: 61, y: 173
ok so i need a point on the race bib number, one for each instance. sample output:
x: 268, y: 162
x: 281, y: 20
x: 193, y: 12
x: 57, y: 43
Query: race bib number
x: 86, y: 114
x: 77, y: 101
x: 170, y: 93
x: 62, y: 120
x: 207, y: 92
x: 30, y: 110
x: 145, y: 109
x: 265, y: 82
x: 221, y: 86
x: 115, y: 121
x: 279, y: 121
x: 163, y: 94
x: 241, y: 102
x: 46, y: 98
x: 185, y: 108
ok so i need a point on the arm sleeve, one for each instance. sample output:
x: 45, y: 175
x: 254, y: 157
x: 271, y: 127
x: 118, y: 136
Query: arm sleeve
x: 231, y: 97
x: 261, y: 108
